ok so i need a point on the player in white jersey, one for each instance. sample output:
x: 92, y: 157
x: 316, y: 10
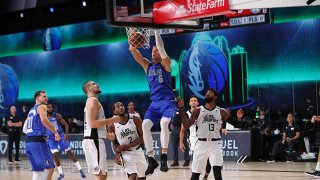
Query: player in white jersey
x: 95, y: 131
x: 129, y: 138
x: 208, y: 119
x: 193, y: 103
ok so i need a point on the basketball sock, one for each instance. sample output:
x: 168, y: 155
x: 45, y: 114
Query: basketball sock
x: 147, y: 136
x: 165, y: 134
x: 318, y: 166
x: 164, y: 150
x: 60, y: 169
x: 78, y: 165
x: 195, y: 176
x: 36, y: 175
x: 150, y: 154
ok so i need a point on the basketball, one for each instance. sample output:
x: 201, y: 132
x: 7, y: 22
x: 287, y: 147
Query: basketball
x: 137, y: 39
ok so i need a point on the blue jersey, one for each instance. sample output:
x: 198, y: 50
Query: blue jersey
x: 159, y: 81
x: 56, y: 125
x: 33, y: 125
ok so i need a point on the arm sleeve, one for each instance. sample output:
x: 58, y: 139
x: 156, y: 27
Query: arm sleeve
x: 160, y: 45
x: 231, y: 120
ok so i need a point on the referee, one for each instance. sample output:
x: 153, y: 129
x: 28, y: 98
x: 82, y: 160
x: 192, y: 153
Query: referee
x: 14, y: 133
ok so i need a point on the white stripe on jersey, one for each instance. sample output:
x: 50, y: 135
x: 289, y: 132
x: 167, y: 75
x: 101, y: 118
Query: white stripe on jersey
x: 126, y: 133
x: 102, y: 131
x: 209, y: 123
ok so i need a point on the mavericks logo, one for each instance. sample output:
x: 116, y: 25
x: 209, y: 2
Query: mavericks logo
x: 1, y: 97
x: 204, y: 65
x: 3, y: 146
x: 9, y: 87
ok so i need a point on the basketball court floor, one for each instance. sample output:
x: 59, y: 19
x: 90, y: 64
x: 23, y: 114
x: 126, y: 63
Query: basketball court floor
x: 231, y: 171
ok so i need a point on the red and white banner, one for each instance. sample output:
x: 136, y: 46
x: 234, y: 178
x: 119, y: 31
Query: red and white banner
x: 179, y: 10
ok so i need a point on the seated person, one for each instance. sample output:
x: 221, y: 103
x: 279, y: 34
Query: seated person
x: 290, y: 140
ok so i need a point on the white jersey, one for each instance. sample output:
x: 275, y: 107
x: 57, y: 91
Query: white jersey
x: 126, y: 133
x: 209, y: 123
x: 94, y: 132
x: 192, y: 128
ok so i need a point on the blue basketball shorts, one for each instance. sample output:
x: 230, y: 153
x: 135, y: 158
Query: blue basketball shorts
x: 39, y: 155
x: 62, y: 145
x: 159, y: 109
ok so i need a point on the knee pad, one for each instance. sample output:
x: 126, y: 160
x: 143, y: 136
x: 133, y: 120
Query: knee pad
x: 164, y: 136
x: 147, y: 136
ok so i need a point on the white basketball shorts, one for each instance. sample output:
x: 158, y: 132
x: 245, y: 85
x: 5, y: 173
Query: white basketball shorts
x: 96, y: 155
x: 204, y: 150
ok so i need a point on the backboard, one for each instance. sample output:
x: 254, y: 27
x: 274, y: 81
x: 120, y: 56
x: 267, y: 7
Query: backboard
x: 138, y: 13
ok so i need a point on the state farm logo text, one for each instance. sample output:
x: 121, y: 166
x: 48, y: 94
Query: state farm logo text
x: 204, y: 5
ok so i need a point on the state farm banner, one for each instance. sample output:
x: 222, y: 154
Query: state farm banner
x: 178, y: 10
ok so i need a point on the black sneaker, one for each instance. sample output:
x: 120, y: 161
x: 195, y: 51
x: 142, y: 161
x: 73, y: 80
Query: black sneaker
x: 164, y: 163
x: 153, y: 164
x: 313, y: 173
x: 175, y: 163
x: 186, y: 163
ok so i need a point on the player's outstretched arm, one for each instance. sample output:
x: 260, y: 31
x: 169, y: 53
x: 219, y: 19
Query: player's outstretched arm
x: 42, y: 109
x: 63, y: 123
x: 231, y: 120
x: 182, y: 133
x: 139, y: 58
x: 92, y: 110
x: 186, y: 121
x: 117, y: 158
x: 160, y: 46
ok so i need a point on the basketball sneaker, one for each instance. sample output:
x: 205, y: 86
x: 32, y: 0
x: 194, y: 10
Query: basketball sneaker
x: 82, y: 174
x: 60, y: 177
x: 17, y: 161
x: 153, y: 164
x: 313, y: 173
x: 164, y: 163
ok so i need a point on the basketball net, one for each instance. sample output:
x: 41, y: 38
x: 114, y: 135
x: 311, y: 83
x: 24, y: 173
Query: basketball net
x: 144, y: 31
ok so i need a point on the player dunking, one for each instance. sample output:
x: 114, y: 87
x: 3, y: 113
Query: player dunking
x: 56, y: 120
x: 208, y: 119
x: 128, y: 142
x: 37, y: 148
x: 95, y: 131
x: 163, y: 106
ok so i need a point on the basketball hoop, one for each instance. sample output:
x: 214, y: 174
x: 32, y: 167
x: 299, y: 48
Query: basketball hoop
x: 138, y: 37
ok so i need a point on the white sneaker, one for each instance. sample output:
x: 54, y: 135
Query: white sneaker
x: 271, y: 161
